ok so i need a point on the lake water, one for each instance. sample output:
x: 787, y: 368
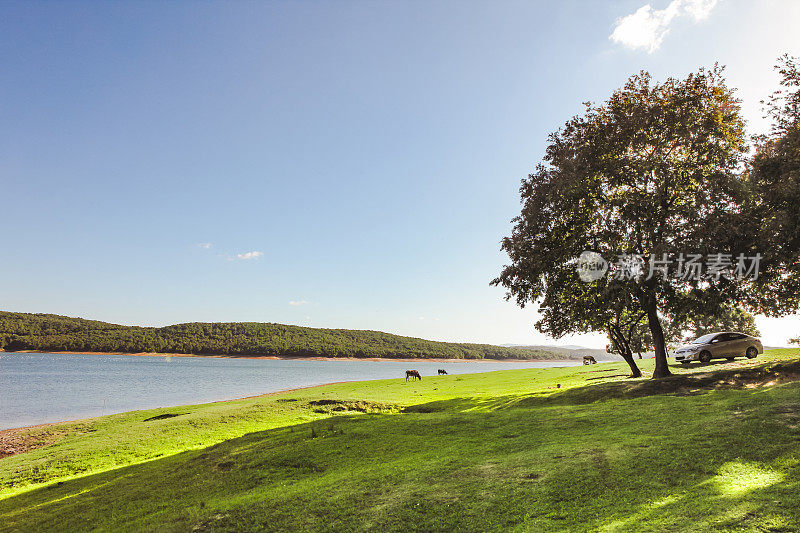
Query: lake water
x: 41, y: 388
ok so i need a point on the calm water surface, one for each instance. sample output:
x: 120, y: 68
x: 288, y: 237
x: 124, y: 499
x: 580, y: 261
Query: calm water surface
x: 40, y: 388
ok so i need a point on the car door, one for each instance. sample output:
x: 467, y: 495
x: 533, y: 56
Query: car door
x: 731, y: 344
x: 738, y: 344
x: 720, y: 345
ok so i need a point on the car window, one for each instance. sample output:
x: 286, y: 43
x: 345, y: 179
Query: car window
x: 737, y: 336
x: 705, y: 339
x: 723, y: 337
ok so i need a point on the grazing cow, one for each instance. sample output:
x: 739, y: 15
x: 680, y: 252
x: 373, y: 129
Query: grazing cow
x: 589, y: 360
x: 413, y: 374
x: 442, y: 371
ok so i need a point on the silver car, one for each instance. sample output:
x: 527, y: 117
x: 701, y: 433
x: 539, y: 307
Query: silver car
x: 724, y: 345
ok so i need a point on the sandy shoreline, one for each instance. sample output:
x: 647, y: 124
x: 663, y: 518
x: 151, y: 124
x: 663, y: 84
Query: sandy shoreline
x: 300, y: 358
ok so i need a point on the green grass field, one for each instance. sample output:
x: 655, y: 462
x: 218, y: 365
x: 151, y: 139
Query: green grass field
x: 716, y: 447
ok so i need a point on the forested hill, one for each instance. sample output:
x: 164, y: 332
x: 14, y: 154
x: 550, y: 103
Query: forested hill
x: 54, y: 333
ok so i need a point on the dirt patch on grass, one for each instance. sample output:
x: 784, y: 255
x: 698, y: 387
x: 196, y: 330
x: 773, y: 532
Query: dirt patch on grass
x: 327, y: 406
x: 21, y: 440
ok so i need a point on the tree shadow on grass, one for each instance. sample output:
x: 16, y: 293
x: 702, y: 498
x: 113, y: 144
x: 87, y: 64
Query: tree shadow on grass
x: 679, y: 385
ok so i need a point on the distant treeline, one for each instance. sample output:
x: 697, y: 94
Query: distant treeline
x: 54, y: 333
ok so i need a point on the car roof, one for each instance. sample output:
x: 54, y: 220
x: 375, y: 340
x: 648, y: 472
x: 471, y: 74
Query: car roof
x: 725, y: 332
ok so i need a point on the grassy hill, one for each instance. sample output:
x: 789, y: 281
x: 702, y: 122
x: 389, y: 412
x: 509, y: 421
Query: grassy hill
x: 572, y: 353
x: 53, y: 333
x: 714, y: 448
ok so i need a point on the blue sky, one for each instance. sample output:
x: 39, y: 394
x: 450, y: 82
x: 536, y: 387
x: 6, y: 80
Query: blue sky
x: 332, y: 164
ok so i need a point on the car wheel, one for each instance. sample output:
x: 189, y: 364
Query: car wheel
x: 751, y: 352
x: 705, y: 356
x: 730, y: 358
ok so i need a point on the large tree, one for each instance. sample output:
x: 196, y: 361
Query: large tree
x: 654, y: 172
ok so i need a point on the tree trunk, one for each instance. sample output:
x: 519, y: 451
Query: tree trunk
x: 662, y: 368
x: 635, y: 372
x: 624, y: 350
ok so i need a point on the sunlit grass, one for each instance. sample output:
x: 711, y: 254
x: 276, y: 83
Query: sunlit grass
x: 737, y: 478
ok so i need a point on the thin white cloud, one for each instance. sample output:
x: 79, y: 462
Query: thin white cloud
x: 699, y: 9
x: 646, y: 28
x: 204, y: 245
x: 249, y: 255
x: 297, y: 303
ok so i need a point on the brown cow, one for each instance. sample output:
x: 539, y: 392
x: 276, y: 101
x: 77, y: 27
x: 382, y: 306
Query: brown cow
x: 589, y: 360
x: 413, y: 374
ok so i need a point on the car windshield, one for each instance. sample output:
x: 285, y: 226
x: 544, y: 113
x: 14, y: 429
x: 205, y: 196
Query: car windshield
x: 705, y: 339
